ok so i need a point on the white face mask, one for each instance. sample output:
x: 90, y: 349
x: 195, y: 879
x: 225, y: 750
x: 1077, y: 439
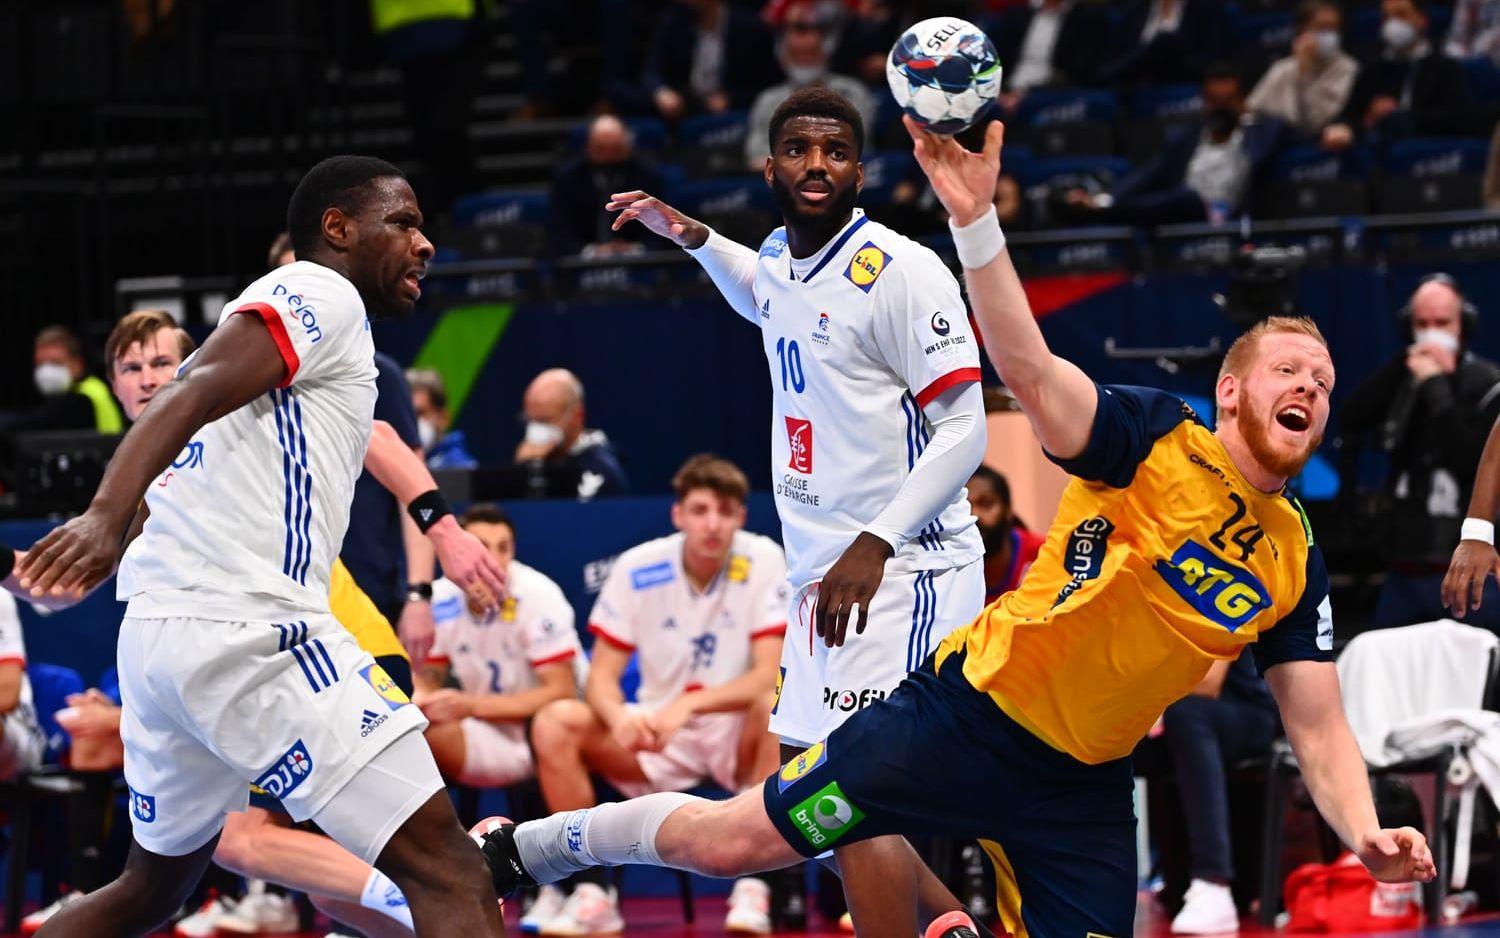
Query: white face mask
x: 52, y: 379
x: 804, y: 75
x: 542, y: 434
x: 1398, y: 34
x: 426, y: 432
x: 1442, y: 338
x: 1327, y: 41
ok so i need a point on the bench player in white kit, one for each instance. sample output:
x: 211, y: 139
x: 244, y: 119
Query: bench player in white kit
x: 878, y: 421
x: 231, y: 667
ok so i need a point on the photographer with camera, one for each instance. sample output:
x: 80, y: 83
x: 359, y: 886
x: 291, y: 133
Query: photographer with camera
x: 1430, y: 410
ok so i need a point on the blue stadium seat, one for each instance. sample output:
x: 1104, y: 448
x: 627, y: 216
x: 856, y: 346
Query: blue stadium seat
x: 883, y: 170
x: 1051, y: 169
x: 1484, y: 79
x: 650, y: 134
x: 487, y: 209
x: 1310, y: 163
x: 1040, y: 108
x: 713, y: 130
x: 1268, y: 31
x: 1165, y: 102
x: 51, y: 685
x: 1362, y: 25
x: 1436, y: 156
x: 729, y: 194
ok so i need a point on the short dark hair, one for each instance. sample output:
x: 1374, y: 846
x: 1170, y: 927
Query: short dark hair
x: 338, y: 182
x: 1223, y: 71
x: 60, y: 335
x: 993, y: 477
x: 430, y: 382
x: 818, y: 102
x: 486, y: 513
x: 1307, y: 9
x: 707, y: 471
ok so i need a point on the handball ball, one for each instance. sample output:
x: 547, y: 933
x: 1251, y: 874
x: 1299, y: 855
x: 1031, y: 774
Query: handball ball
x: 945, y: 73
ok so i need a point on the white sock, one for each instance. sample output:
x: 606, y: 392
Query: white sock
x: 383, y: 896
x: 606, y: 835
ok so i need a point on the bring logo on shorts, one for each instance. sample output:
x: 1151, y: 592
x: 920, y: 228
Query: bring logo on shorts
x: 825, y: 815
x: 289, y: 771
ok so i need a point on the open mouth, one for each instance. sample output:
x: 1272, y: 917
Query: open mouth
x: 413, y: 280
x: 1294, y: 417
x: 815, y: 191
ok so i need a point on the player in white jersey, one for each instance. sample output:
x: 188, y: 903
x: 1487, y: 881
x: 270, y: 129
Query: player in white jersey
x: 22, y: 741
x: 509, y: 662
x: 231, y: 667
x: 704, y: 611
x: 878, y: 421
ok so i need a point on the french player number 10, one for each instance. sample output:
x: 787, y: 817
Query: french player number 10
x: 791, y: 365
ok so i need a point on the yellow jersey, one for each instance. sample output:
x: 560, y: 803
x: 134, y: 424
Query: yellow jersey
x: 1162, y: 560
x: 358, y: 613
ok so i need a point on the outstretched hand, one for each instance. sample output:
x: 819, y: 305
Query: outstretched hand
x: 1398, y: 855
x: 963, y: 181
x: 657, y: 216
x: 72, y: 559
x: 1463, y: 586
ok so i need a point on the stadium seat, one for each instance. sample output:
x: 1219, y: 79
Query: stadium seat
x: 715, y: 196
x: 1311, y: 198
x: 708, y: 161
x: 1436, y: 156
x: 1043, y: 108
x: 1267, y: 32
x: 883, y: 170
x: 490, y: 209
x: 650, y: 135
x: 1060, y: 169
x: 1086, y: 138
x: 1309, y: 163
x: 712, y: 130
x: 1408, y: 194
x: 1165, y: 102
x: 1484, y: 79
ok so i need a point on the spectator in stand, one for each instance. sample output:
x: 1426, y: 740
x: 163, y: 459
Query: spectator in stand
x: 609, y: 164
x: 1491, y: 193
x: 1009, y: 546
x: 1474, y: 32
x: 1167, y: 41
x: 707, y: 56
x: 445, y: 448
x: 142, y: 353
x: 803, y: 47
x: 22, y: 742
x: 1201, y: 174
x: 72, y: 399
x: 1050, y: 43
x: 281, y: 253
x: 866, y: 40
x: 557, y: 442
x: 1411, y: 88
x: 1309, y: 88
x: 1430, y: 409
x: 541, y: 26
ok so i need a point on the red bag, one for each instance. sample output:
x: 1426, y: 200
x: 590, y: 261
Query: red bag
x: 1342, y: 896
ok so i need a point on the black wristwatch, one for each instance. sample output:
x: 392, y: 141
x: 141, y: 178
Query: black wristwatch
x: 419, y: 592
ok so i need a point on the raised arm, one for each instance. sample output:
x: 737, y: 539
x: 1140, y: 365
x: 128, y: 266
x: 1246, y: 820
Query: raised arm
x: 237, y: 363
x: 1058, y: 398
x: 728, y: 263
x: 1475, y: 557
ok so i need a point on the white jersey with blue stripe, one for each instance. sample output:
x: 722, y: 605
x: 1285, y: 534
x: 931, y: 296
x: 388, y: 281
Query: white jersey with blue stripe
x: 247, y: 520
x: 859, y: 336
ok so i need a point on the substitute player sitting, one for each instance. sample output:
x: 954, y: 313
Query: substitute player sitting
x: 509, y: 661
x: 704, y: 610
x: 1174, y: 547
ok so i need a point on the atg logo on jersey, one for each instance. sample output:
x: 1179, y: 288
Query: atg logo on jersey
x: 388, y: 690
x: 804, y: 762
x: 643, y: 578
x: 289, y: 771
x: 1223, y: 593
x: 799, y: 438
x: 867, y: 265
x: 142, y: 807
x: 302, y: 311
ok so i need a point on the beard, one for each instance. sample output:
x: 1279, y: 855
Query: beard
x: 831, y: 215
x: 994, y: 536
x: 1255, y: 428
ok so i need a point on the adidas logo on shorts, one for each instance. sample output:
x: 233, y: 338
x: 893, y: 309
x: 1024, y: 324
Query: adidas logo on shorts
x: 369, y: 721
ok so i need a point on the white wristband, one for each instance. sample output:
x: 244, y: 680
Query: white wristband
x: 978, y: 242
x: 1477, y: 529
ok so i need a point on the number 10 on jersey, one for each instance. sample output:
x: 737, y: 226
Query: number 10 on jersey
x: 792, y: 378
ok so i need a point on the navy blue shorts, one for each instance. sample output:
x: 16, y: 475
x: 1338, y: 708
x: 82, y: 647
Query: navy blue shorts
x: 939, y: 757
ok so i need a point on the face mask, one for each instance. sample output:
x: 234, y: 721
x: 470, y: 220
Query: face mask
x: 542, y: 434
x: 426, y: 432
x: 803, y: 75
x: 1442, y: 338
x: 52, y: 379
x: 1398, y: 34
x: 1327, y: 42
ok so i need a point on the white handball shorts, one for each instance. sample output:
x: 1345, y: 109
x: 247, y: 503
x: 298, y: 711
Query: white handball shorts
x: 495, y: 755
x: 706, y: 747
x: 297, y: 709
x: 911, y: 612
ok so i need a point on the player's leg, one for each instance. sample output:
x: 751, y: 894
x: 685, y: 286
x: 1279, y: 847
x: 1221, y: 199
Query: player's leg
x: 147, y: 892
x: 568, y: 740
x: 758, y: 752
x: 371, y: 924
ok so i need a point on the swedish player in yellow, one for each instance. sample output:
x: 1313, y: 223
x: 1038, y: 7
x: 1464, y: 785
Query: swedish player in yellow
x: 1174, y: 547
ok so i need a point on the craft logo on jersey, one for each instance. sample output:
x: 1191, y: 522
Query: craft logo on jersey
x: 851, y: 700
x: 1084, y: 557
x: 1221, y: 592
x: 804, y: 762
x: 799, y: 438
x: 940, y: 323
x: 370, y: 721
x: 825, y: 815
x: 302, y: 311
x: 388, y: 689
x: 866, y: 266
x: 289, y: 771
x: 142, y: 807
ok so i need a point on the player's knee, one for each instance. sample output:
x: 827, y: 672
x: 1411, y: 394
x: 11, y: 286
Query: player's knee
x: 560, y: 724
x: 147, y: 901
x: 236, y: 849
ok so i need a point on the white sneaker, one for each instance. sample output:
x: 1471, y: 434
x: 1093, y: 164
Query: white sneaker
x: 33, y: 923
x: 749, y: 908
x: 264, y: 913
x: 548, y: 906
x: 1207, y: 909
x: 590, y: 910
x: 204, y: 923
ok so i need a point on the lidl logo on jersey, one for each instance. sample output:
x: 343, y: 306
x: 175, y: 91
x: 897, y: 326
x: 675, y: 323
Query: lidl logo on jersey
x: 739, y: 568
x: 642, y: 578
x: 508, y: 609
x: 1084, y: 556
x: 804, y: 762
x: 302, y: 311
x: 369, y: 722
x: 388, y: 689
x: 799, y: 438
x: 142, y: 807
x: 776, y: 698
x: 288, y: 773
x: 825, y: 815
x: 1221, y: 592
x: 867, y: 265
